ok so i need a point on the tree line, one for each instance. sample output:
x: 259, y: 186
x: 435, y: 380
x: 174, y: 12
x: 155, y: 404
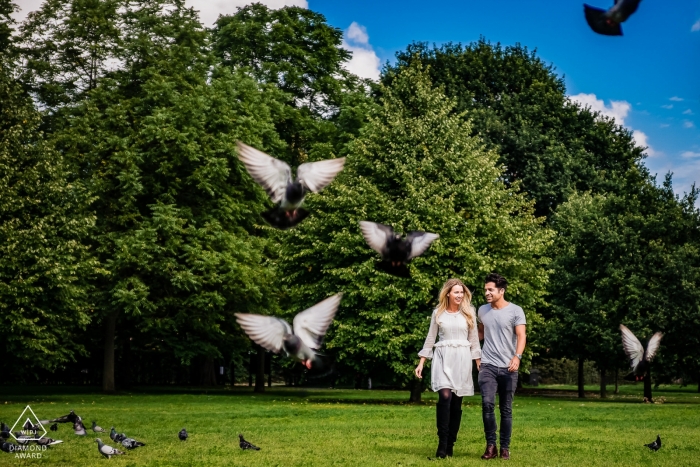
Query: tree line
x: 130, y: 232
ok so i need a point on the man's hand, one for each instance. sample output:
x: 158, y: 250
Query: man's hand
x: 478, y: 364
x: 514, y: 364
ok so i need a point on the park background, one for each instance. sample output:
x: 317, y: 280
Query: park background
x: 131, y: 233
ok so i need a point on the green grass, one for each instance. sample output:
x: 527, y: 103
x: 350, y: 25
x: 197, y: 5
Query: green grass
x: 358, y: 428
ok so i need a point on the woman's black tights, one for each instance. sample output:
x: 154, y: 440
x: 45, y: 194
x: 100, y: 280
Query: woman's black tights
x: 447, y: 397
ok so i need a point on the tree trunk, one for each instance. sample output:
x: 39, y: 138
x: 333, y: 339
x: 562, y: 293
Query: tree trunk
x: 207, y: 375
x: 603, y: 388
x: 416, y: 391
x: 617, y: 383
x: 647, y: 388
x: 260, y: 373
x: 581, y: 395
x: 110, y: 328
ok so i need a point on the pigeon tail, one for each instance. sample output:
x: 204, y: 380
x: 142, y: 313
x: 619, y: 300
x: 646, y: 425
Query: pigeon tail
x: 599, y: 22
x: 281, y: 219
x: 398, y: 270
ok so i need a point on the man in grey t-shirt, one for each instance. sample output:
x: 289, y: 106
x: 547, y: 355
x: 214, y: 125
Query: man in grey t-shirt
x: 502, y: 326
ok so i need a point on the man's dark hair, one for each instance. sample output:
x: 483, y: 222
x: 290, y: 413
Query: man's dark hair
x: 497, y: 279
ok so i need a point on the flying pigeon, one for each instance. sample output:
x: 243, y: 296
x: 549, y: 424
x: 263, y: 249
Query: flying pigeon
x: 116, y: 437
x: 71, y: 417
x: 288, y: 194
x: 131, y: 443
x: 608, y: 22
x: 97, y: 429
x: 48, y: 441
x: 7, y: 447
x: 182, y: 435
x: 396, y: 251
x: 276, y: 335
x: 656, y: 445
x: 245, y: 444
x: 54, y: 427
x: 79, y: 428
x: 107, y: 451
x: 639, y: 359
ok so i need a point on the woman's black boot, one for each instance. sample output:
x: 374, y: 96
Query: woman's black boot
x: 455, y: 421
x: 443, y: 427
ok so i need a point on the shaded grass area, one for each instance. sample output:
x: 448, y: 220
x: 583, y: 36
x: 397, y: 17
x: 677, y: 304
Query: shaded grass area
x: 315, y: 427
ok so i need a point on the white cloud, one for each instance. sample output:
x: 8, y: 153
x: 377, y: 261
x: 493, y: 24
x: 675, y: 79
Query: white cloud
x: 676, y: 99
x: 696, y: 26
x: 690, y: 154
x: 364, y: 61
x: 688, y: 112
x: 617, y: 109
x: 688, y: 124
x: 668, y: 106
x: 209, y: 10
x: 640, y: 139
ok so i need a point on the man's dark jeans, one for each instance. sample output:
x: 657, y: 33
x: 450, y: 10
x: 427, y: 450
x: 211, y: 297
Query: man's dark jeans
x: 493, y: 379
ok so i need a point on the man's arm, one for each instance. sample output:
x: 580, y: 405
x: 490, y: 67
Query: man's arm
x: 480, y: 327
x: 519, y: 347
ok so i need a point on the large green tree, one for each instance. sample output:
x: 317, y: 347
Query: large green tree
x: 518, y: 105
x: 176, y: 221
x: 415, y: 167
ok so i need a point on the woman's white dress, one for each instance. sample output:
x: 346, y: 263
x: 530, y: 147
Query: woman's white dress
x: 453, y: 353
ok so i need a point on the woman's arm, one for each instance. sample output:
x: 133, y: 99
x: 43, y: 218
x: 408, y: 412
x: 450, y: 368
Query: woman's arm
x: 427, y: 351
x: 419, y: 368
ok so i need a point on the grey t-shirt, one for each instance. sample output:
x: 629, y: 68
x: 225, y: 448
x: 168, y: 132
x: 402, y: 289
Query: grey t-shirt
x: 499, y: 333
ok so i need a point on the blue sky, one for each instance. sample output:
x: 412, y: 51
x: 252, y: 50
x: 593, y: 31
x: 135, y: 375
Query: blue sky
x: 648, y: 79
x: 652, y: 73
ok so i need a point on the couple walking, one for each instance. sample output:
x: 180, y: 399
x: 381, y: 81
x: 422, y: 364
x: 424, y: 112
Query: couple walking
x: 502, y: 327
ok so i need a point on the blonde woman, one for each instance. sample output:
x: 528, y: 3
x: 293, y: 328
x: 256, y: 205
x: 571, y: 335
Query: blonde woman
x: 454, y: 321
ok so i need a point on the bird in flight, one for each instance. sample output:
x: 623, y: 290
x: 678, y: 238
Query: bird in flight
x: 639, y: 358
x: 607, y: 22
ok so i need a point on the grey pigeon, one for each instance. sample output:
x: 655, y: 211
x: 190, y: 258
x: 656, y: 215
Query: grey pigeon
x: 107, y: 451
x: 116, y: 437
x: 396, y: 252
x: 70, y: 418
x: 23, y: 439
x: 97, y: 429
x: 276, y: 335
x: 48, y: 441
x: 656, y: 445
x: 245, y: 444
x: 7, y: 447
x: 131, y: 443
x: 54, y: 427
x: 182, y: 435
x: 79, y: 428
x: 639, y: 359
x: 288, y: 194
x: 608, y: 22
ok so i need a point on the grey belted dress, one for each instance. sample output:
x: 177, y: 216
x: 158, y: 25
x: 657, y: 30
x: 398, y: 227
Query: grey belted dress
x: 453, y: 353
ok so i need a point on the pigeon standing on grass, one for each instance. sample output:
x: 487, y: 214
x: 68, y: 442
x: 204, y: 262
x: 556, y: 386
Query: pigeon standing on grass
x: 288, y: 194
x: 275, y: 334
x: 608, y: 22
x: 4, y: 427
x: 245, y: 444
x: 656, y: 445
x: 182, y: 435
x: 54, y: 427
x: 396, y: 251
x: 7, y: 447
x: 116, y: 437
x: 107, y: 451
x: 639, y: 359
x: 79, y: 428
x: 48, y: 441
x: 131, y: 443
x: 97, y: 429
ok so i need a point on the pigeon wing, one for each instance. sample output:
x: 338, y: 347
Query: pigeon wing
x: 318, y: 175
x: 266, y: 331
x: 420, y: 241
x: 311, y: 324
x: 376, y: 235
x: 633, y: 348
x: 653, y: 346
x: 272, y: 174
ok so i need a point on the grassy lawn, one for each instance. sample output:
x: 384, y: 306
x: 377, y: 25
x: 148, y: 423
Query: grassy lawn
x: 358, y: 427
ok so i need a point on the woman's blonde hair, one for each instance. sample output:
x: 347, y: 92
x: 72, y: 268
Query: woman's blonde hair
x: 465, y: 307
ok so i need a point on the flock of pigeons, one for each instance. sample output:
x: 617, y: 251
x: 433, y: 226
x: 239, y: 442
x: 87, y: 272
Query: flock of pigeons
x: 30, y: 433
x: 304, y: 337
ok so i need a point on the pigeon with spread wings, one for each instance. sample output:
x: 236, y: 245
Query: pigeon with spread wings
x: 639, y: 359
x: 396, y: 251
x: 276, y: 335
x: 607, y: 22
x: 288, y: 194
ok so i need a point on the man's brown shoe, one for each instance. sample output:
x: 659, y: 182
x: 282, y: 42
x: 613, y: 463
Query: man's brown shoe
x: 505, y: 454
x: 490, y: 452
